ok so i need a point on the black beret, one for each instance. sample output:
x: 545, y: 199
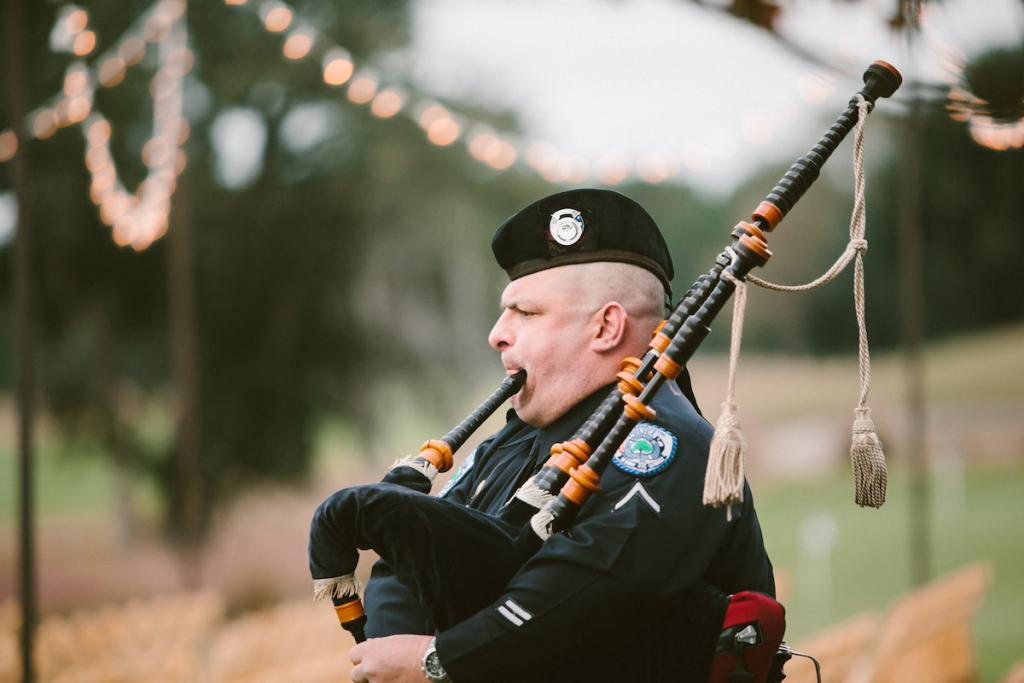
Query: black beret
x: 581, y: 226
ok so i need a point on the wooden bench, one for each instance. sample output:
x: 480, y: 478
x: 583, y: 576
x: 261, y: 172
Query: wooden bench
x: 927, y: 633
x: 837, y: 648
x: 1015, y: 674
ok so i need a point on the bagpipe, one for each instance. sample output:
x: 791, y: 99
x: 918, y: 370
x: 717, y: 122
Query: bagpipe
x: 457, y: 560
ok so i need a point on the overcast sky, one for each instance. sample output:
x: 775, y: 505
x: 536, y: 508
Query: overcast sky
x: 635, y: 78
x: 652, y: 80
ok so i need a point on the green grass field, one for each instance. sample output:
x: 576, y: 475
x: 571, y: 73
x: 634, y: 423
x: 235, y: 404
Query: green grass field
x: 65, y: 484
x: 976, y: 517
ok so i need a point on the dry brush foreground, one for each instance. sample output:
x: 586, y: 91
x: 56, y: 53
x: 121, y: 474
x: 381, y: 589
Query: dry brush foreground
x: 186, y: 639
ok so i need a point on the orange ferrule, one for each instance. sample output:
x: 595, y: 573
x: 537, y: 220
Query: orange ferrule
x: 578, y: 449
x: 565, y: 462
x: 630, y: 364
x: 556, y: 451
x: 769, y: 213
x: 668, y: 367
x: 752, y: 230
x: 756, y: 245
x: 587, y: 478
x: 574, y: 492
x: 637, y: 410
x: 582, y: 446
x: 349, y: 611
x: 629, y: 384
x: 438, y: 453
x: 582, y: 482
x: 660, y: 342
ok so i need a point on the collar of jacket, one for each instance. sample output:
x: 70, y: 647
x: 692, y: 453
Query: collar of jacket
x: 565, y: 426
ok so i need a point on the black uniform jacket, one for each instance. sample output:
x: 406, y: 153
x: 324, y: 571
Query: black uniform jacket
x: 605, y: 601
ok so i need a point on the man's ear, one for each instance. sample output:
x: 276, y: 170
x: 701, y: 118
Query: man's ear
x: 610, y: 327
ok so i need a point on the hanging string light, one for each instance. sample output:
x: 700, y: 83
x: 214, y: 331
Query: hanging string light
x: 338, y: 66
x: 501, y: 151
x: 74, y: 102
x: 362, y: 88
x: 498, y: 151
x: 991, y: 127
x: 987, y: 94
x: 139, y: 218
x: 76, y: 20
x: 298, y: 44
x: 8, y: 145
x: 84, y: 43
x: 387, y: 103
x: 136, y: 218
x: 276, y: 16
x: 70, y: 32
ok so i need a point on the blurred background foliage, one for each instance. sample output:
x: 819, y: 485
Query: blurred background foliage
x: 348, y: 266
x: 335, y: 299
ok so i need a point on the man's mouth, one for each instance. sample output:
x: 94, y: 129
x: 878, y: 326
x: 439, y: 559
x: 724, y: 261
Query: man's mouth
x: 511, y: 370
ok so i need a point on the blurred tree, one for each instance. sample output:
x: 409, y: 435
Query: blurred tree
x: 962, y: 184
x: 329, y: 270
x: 765, y: 14
x: 359, y: 256
x: 995, y: 79
x: 970, y: 200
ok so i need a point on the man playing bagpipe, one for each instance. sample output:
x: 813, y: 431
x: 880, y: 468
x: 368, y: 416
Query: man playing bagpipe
x: 637, y: 589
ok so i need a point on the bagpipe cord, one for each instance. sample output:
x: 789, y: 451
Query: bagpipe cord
x: 723, y: 484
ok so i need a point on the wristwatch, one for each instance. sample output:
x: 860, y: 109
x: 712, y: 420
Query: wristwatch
x: 432, y: 665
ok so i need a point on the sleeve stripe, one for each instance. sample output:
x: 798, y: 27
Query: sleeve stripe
x: 515, y: 607
x: 504, y: 611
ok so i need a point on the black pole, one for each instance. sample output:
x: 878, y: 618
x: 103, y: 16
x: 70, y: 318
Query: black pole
x: 17, y: 27
x: 184, y: 342
x: 912, y: 314
x: 913, y: 317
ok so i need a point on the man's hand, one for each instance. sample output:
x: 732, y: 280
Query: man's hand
x: 395, y: 659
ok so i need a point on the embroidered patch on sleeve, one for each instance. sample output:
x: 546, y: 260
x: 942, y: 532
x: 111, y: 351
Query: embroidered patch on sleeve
x: 463, y: 468
x: 647, y: 450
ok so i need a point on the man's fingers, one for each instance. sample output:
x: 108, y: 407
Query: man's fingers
x: 395, y: 659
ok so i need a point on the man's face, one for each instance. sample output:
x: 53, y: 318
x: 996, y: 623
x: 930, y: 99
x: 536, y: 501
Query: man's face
x: 545, y: 328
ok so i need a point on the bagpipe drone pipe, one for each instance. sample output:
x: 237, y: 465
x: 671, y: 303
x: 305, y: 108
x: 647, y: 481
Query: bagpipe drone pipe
x: 457, y: 560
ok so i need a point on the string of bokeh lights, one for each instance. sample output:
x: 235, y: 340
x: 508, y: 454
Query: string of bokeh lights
x: 501, y: 150
x: 139, y: 218
x: 136, y: 218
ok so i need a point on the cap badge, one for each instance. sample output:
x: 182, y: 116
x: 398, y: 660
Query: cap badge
x: 566, y: 226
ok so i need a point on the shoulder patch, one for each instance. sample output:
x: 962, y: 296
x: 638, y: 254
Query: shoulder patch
x: 464, y: 467
x: 647, y: 450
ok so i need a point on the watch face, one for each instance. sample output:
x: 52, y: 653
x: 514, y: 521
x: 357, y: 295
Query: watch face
x: 432, y: 667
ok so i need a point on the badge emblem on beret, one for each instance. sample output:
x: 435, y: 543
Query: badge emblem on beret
x: 646, y: 451
x: 566, y: 226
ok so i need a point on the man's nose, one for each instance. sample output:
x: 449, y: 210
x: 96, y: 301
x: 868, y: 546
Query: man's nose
x: 500, y: 337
